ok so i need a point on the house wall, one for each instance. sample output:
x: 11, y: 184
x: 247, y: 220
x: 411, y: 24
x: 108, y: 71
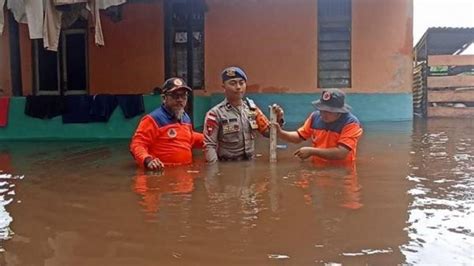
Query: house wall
x: 132, y: 60
x: 275, y: 42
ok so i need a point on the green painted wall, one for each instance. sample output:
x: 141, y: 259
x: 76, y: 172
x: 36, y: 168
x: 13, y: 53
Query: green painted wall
x: 368, y: 107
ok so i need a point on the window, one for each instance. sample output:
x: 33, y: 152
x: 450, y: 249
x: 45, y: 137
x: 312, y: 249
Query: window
x: 334, y: 43
x: 186, y: 17
x: 64, y: 71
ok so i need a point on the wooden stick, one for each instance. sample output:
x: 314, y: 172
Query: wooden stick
x: 273, y: 136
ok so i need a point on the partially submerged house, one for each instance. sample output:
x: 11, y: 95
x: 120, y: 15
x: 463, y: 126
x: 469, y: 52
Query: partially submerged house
x: 289, y: 49
x: 443, y: 76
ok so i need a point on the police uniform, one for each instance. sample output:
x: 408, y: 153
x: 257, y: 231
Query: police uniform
x: 229, y: 132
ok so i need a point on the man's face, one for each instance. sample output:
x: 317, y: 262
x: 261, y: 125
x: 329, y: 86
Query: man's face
x: 176, y: 101
x: 234, y: 89
x: 329, y: 117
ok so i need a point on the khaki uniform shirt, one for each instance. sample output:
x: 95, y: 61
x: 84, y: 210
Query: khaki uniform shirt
x: 229, y: 132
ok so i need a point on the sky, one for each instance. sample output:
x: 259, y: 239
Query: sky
x: 442, y: 13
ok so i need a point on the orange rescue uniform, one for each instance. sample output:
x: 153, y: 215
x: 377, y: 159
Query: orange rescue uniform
x: 160, y: 135
x: 345, y: 131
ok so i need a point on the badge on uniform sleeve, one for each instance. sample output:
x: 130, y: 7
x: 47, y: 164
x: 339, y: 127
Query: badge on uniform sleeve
x: 172, y: 133
x: 211, y: 122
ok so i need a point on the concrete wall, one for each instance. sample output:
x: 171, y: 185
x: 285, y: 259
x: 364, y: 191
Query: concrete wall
x: 132, y: 60
x: 275, y: 41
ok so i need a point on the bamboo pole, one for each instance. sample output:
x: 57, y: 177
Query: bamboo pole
x: 273, y: 136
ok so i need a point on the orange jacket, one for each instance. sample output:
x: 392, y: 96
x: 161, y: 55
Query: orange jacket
x: 346, y: 131
x: 160, y: 135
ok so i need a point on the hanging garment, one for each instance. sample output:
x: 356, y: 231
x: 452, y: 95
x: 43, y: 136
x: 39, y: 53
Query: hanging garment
x: 102, y: 107
x: 51, y: 27
x: 131, y: 104
x: 2, y: 17
x: 94, y: 8
x: 68, y: 2
x: 34, y: 10
x: 4, y: 105
x: 17, y: 7
x: 104, y: 4
x: 78, y: 109
x: 44, y: 107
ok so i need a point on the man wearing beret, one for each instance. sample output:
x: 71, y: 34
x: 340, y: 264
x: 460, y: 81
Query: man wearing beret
x: 333, y: 129
x: 166, y: 137
x: 231, y: 126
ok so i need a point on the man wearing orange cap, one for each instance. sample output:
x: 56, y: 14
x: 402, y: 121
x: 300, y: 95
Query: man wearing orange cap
x: 166, y: 136
x: 334, y: 131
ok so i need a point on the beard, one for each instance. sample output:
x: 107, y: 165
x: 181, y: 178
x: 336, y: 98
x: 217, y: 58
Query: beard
x: 178, y: 112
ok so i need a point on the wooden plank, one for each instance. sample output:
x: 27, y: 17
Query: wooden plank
x: 450, y: 60
x: 450, y: 81
x: 466, y: 112
x: 273, y: 136
x: 451, y: 96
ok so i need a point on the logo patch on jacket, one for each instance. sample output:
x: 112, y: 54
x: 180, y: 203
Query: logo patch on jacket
x: 172, y: 133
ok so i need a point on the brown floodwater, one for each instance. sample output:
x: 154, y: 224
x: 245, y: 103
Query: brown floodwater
x: 410, y: 199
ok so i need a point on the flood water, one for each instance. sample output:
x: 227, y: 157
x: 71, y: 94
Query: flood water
x: 410, y: 199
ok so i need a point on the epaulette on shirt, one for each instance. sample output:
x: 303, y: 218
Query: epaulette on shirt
x: 251, y: 104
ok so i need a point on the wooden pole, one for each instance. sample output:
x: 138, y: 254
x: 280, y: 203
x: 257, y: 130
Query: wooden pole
x: 273, y: 136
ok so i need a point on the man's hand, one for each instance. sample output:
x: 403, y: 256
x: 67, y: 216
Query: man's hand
x: 304, y: 152
x: 154, y: 164
x: 280, y: 114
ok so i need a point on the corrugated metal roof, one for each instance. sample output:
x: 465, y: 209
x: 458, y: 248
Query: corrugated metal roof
x: 444, y: 40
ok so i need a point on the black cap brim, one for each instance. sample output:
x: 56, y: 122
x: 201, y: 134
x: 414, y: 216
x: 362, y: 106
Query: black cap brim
x: 322, y: 107
x: 178, y: 88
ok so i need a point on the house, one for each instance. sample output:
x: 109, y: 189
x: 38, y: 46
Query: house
x: 289, y: 49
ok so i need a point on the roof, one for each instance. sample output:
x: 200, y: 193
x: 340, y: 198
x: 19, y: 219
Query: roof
x: 443, y: 41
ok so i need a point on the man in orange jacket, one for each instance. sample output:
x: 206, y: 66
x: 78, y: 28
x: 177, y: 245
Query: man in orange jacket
x: 165, y: 136
x: 333, y: 129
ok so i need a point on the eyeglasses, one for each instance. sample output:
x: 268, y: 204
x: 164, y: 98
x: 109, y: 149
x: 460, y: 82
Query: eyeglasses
x: 176, y: 96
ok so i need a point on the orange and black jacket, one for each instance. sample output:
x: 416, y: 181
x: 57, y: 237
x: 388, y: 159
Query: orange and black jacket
x: 345, y: 131
x: 160, y: 135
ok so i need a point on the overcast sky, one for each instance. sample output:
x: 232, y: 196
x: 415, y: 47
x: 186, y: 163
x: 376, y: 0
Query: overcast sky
x: 442, y: 13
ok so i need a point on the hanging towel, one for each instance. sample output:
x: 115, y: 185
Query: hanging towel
x: 4, y: 105
x: 78, y: 107
x: 131, y: 104
x: 44, y: 107
x: 102, y: 107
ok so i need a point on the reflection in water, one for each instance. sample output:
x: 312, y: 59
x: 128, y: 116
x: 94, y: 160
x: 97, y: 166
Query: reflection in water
x: 7, y: 194
x: 441, y: 214
x: 341, y: 182
x: 152, y: 187
x: 86, y: 204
